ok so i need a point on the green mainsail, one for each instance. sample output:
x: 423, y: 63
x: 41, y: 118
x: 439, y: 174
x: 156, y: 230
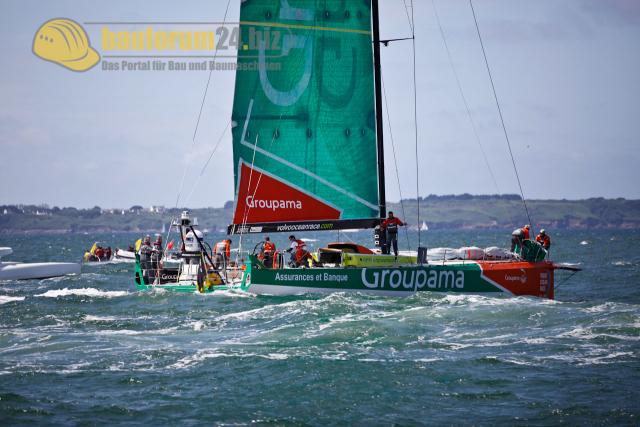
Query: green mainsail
x: 304, y: 121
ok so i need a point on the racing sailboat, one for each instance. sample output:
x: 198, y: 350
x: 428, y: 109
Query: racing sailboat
x: 308, y: 156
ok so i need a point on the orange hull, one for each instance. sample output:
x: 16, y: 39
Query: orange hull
x: 521, y: 278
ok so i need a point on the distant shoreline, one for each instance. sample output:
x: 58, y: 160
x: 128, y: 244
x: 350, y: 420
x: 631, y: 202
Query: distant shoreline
x: 456, y: 212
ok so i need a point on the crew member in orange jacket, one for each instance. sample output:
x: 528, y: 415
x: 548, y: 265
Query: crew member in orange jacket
x: 390, y: 225
x: 268, y: 249
x: 222, y: 252
x: 299, y: 252
x: 544, y: 239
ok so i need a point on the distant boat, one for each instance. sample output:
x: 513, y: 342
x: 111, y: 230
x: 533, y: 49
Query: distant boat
x: 10, y: 270
x: 97, y: 253
x: 124, y: 255
x: 424, y: 227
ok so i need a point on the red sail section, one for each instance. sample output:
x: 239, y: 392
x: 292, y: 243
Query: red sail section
x: 262, y: 198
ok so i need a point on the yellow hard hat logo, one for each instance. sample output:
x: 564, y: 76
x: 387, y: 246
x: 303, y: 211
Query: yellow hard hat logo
x: 65, y: 42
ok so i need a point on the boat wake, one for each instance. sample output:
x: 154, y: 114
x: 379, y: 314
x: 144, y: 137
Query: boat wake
x: 5, y: 299
x: 83, y: 292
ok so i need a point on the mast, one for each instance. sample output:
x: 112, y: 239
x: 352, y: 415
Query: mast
x: 378, y: 87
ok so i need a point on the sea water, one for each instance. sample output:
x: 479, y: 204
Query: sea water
x: 91, y: 350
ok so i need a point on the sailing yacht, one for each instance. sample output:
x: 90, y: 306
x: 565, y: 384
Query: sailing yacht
x: 308, y: 156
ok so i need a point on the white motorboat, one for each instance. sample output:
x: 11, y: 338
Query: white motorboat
x: 122, y: 255
x: 10, y: 270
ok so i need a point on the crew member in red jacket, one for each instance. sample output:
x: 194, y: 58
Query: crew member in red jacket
x: 299, y: 252
x: 544, y: 239
x: 390, y: 225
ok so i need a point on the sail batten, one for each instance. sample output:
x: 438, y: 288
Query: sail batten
x: 304, y: 134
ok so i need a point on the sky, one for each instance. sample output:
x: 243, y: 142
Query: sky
x: 565, y: 72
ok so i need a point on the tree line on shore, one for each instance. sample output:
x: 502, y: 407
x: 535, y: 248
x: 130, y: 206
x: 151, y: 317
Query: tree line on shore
x: 464, y: 211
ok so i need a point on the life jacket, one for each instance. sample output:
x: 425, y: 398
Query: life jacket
x: 223, y: 247
x: 301, y: 249
x: 525, y: 233
x: 391, y: 225
x: 545, y: 240
x: 268, y: 247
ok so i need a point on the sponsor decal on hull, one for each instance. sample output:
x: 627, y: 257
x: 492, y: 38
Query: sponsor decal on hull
x: 406, y: 280
x: 415, y: 279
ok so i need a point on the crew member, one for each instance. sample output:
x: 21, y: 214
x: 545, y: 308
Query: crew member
x: 299, y: 252
x: 525, y: 232
x: 544, y: 239
x: 99, y: 253
x: 516, y: 239
x: 222, y: 253
x: 390, y: 225
x: 145, y: 257
x: 157, y: 245
x: 156, y: 255
x: 268, y: 250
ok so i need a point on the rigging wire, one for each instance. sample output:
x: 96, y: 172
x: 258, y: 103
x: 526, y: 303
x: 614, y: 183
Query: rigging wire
x: 247, y: 208
x: 204, y: 97
x: 464, y: 98
x: 395, y: 161
x: 215, y: 148
x: 406, y: 10
x: 504, y: 129
x: 415, y: 118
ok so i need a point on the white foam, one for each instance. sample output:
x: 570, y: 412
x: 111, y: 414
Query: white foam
x: 584, y: 242
x: 5, y: 299
x: 198, y: 325
x: 235, y: 293
x: 428, y: 359
x: 90, y: 318
x: 164, y: 331
x: 194, y: 359
x: 482, y: 300
x: 275, y: 356
x: 84, y: 292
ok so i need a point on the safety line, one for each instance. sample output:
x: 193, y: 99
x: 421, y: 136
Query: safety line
x: 464, y: 98
x: 504, y: 129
